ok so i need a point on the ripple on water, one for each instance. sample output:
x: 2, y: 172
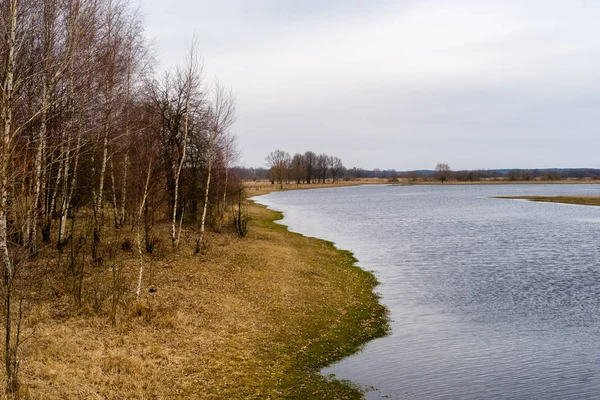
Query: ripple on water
x: 489, y: 298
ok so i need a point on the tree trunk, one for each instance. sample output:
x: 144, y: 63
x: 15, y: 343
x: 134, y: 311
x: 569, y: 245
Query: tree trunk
x: 68, y: 201
x: 139, y: 234
x: 127, y: 144
x: 38, y: 171
x: 108, y: 92
x: 7, y: 115
x: 124, y: 187
x: 67, y: 166
x: 225, y: 187
x: 190, y: 82
x: 99, y: 203
x: 62, y: 160
x: 114, y: 194
x: 206, y: 191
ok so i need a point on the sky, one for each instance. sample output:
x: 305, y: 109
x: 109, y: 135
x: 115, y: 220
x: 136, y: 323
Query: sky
x: 405, y: 84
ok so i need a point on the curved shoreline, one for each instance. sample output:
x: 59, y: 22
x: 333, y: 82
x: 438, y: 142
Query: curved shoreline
x: 361, y: 320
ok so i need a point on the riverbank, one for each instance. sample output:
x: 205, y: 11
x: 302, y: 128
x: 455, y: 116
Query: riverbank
x: 405, y: 182
x: 256, y: 317
x: 580, y: 200
x: 257, y: 188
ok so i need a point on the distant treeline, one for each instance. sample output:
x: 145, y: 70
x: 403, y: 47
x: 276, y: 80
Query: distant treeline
x: 309, y: 167
x: 508, y: 174
x: 460, y: 176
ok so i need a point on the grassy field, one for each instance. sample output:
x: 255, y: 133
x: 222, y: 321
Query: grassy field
x: 581, y: 200
x: 256, y: 317
x: 261, y: 187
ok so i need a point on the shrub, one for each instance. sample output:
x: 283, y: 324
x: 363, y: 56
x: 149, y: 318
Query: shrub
x: 151, y: 243
x: 127, y: 244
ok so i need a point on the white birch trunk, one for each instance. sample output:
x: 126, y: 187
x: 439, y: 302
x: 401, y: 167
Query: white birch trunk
x: 68, y: 201
x: 180, y: 224
x: 222, y: 117
x: 127, y: 144
x: 190, y: 83
x: 206, y: 192
x: 59, y: 176
x: 114, y: 194
x: 64, y: 190
x: 225, y: 187
x: 38, y: 170
x: 124, y: 187
x: 100, y: 194
x: 138, y: 291
x: 99, y: 212
x: 7, y: 114
x: 67, y: 165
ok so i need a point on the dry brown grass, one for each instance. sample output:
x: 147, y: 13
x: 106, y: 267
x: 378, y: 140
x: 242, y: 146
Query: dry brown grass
x: 248, y: 318
x: 580, y: 200
x: 257, y: 188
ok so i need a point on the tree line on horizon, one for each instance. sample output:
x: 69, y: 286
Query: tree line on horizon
x: 476, y: 175
x: 95, y: 142
x: 304, y: 168
x: 443, y: 172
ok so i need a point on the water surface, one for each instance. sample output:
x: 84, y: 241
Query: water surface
x: 490, y: 298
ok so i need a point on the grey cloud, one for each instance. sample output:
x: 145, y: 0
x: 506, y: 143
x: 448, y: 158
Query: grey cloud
x: 479, y: 84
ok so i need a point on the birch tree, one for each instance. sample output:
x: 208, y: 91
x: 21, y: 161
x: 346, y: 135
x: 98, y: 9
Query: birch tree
x: 76, y: 120
x: 221, y: 115
x: 143, y: 201
x: 108, y: 86
x: 78, y: 82
x: 8, y: 103
x: 10, y: 12
x: 58, y: 22
x: 230, y: 156
x: 113, y: 64
x: 193, y: 79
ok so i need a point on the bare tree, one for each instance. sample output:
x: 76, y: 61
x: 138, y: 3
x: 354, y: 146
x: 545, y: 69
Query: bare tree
x: 136, y: 57
x: 8, y: 104
x: 336, y: 167
x: 78, y: 82
x: 193, y: 79
x: 322, y: 167
x: 310, y: 161
x: 78, y: 119
x: 143, y: 205
x: 279, y: 162
x: 58, y: 24
x: 230, y: 155
x: 221, y: 115
x: 297, y: 168
x: 443, y: 171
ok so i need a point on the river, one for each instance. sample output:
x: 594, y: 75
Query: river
x: 489, y: 298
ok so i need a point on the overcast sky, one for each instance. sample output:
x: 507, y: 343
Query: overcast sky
x: 401, y: 84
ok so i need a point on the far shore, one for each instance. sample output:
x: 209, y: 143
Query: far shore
x: 579, y: 200
x: 261, y: 187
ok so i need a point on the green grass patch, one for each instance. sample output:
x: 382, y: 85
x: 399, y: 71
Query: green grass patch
x: 335, y: 312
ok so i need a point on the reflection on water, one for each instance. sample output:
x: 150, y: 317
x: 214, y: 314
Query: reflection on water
x: 490, y: 298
